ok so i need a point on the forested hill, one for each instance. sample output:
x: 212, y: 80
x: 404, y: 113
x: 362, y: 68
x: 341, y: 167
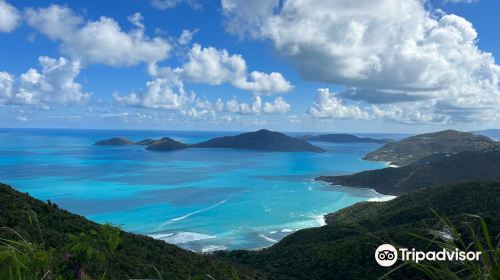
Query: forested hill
x: 437, y: 169
x: 416, y: 147
x: 136, y: 256
x: 344, y: 248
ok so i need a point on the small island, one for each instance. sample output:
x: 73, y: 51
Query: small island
x: 343, y: 138
x: 115, y: 141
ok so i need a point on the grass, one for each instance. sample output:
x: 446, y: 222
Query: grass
x: 472, y: 235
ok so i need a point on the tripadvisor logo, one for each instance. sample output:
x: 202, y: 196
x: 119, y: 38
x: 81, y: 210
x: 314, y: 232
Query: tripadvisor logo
x: 387, y: 255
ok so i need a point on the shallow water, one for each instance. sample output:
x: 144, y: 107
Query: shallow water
x: 200, y: 199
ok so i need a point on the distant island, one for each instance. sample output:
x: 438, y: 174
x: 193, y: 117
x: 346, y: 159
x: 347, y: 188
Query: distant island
x: 414, y: 148
x: 342, y: 138
x: 261, y: 140
x: 116, y: 141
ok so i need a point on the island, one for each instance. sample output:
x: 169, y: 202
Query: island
x: 343, y: 138
x: 166, y: 144
x: 416, y: 147
x: 115, y: 141
x: 262, y: 140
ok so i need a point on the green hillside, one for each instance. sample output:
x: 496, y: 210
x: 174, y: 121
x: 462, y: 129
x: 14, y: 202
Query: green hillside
x: 416, y: 147
x: 437, y: 169
x: 344, y: 248
x: 134, y: 256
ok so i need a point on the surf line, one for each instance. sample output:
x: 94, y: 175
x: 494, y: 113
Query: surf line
x: 191, y: 214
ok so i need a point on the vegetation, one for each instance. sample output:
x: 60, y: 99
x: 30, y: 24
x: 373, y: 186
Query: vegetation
x: 166, y: 144
x: 344, y: 248
x: 414, y: 148
x: 116, y: 141
x: 438, y: 169
x: 475, y: 240
x: 40, y: 240
x: 263, y: 140
x: 342, y: 138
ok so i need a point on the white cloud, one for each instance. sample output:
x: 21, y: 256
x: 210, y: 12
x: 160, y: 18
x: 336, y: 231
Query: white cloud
x: 461, y: 1
x: 169, y: 4
x: 186, y: 36
x: 278, y: 106
x: 101, y: 41
x: 166, y: 92
x: 6, y: 86
x: 213, y: 66
x: 327, y: 105
x: 380, y: 47
x: 9, y: 17
x: 54, y: 84
x: 158, y: 94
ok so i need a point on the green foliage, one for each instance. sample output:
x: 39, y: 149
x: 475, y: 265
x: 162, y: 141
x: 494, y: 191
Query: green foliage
x: 23, y: 260
x: 69, y: 245
x: 436, y: 170
x: 344, y: 248
x: 476, y: 238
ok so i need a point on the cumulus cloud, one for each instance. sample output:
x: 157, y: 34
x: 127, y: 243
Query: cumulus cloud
x: 395, y: 50
x: 158, y: 94
x: 327, y: 105
x: 213, y: 66
x: 100, y: 41
x: 9, y: 17
x: 278, y: 106
x: 54, y: 84
x: 186, y: 36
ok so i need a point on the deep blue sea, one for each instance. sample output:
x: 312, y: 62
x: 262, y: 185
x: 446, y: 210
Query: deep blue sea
x: 199, y: 199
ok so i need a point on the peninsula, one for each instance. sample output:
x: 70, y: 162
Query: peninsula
x: 416, y: 147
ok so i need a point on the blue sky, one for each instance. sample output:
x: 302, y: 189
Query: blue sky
x: 363, y: 66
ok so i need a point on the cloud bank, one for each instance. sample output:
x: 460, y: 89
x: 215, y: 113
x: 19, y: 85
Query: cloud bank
x: 390, y: 50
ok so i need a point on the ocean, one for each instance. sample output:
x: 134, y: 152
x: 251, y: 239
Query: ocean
x: 199, y: 199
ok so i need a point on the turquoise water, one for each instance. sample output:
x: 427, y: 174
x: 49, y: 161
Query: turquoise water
x: 200, y: 199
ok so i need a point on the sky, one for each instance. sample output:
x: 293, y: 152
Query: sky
x: 406, y: 66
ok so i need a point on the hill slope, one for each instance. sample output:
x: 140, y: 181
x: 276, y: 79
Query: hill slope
x: 344, y: 248
x: 413, y: 148
x: 134, y: 255
x: 263, y: 140
x: 430, y: 171
x: 342, y: 138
